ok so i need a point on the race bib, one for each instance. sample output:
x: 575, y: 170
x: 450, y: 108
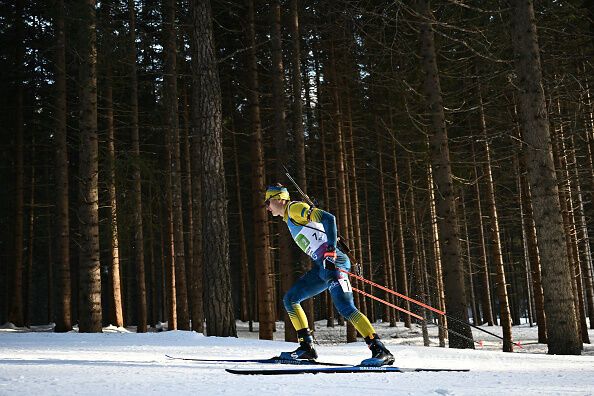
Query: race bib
x: 345, y: 285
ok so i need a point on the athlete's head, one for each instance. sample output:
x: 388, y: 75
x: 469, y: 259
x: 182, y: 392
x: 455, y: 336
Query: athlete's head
x: 276, y: 198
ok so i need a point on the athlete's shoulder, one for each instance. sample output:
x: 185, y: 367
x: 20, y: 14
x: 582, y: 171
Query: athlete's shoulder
x: 298, y: 210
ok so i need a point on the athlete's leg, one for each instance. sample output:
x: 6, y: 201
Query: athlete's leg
x: 309, y: 285
x: 342, y: 296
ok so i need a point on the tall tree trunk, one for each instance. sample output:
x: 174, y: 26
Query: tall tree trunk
x: 116, y: 316
x: 197, y: 263
x: 416, y: 260
x: 453, y: 271
x: 193, y: 260
x: 566, y: 192
x: 174, y: 166
x: 63, y: 293
x: 504, y: 310
x: 473, y: 305
x: 533, y: 254
x: 531, y: 315
x: 88, y: 214
x: 342, y: 218
x: 170, y: 251
x: 298, y: 132
x: 285, y: 243
x: 385, y: 238
x: 368, y: 269
x: 486, y: 304
x: 220, y: 320
x: 115, y: 296
x: 356, y: 241
x: 16, y: 308
x: 582, y: 234
x: 261, y: 234
x: 562, y: 327
x: 137, y: 183
x: 402, y: 267
x: 437, y: 258
x: 321, y: 96
x: 589, y: 127
x: 155, y: 299
x: 297, y: 101
x: 246, y: 291
x: 29, y: 292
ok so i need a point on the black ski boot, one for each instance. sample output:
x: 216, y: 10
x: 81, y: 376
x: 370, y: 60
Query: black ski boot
x: 380, y: 356
x: 306, y: 350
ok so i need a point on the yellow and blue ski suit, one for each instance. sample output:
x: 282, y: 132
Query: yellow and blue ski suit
x: 314, y: 230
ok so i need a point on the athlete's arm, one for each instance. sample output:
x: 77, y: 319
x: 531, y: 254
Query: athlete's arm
x: 328, y: 220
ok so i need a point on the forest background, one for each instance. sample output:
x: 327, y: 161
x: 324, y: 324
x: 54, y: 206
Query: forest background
x: 452, y: 139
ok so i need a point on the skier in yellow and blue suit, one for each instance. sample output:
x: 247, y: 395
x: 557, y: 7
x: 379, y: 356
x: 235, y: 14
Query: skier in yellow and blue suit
x: 314, y: 231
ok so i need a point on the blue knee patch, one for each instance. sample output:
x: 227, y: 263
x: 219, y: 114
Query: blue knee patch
x: 288, y: 301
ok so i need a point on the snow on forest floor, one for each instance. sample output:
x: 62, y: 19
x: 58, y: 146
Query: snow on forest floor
x: 122, y: 362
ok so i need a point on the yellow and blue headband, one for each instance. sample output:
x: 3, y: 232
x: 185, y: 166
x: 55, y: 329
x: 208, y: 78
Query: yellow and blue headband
x: 276, y: 192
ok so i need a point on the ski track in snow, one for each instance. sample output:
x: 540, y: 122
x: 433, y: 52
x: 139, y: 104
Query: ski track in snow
x: 121, y: 362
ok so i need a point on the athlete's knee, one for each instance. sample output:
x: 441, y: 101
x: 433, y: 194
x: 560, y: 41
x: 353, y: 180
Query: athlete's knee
x: 289, y: 300
x: 346, y: 309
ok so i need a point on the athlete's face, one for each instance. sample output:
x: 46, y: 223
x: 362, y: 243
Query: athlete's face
x: 276, y: 207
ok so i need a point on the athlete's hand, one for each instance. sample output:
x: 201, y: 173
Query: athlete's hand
x: 330, y: 258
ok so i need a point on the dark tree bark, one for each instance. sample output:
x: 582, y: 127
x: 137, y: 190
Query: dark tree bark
x: 115, y: 296
x: 437, y: 259
x: 193, y: 252
x: 63, y: 293
x: 401, y: 255
x: 453, y: 271
x: 417, y: 259
x: 16, y: 307
x: 246, y: 290
x: 88, y: 213
x: 486, y: 304
x: 137, y: 183
x: 534, y: 257
x: 562, y: 328
x: 261, y: 234
x: 207, y: 118
x: 285, y: 242
x: 170, y: 96
x: 504, y: 310
x: 298, y: 132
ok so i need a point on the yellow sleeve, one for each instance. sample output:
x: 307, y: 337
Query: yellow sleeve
x: 298, y: 212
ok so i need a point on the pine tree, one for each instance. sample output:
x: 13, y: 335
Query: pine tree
x: 562, y: 329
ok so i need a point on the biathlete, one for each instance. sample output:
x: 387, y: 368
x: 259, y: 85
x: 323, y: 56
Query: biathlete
x: 314, y: 231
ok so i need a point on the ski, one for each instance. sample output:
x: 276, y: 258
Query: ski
x: 273, y: 360
x: 335, y: 370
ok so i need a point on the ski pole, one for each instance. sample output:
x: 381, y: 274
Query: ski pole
x: 387, y: 303
x: 412, y: 314
x: 426, y: 306
x: 429, y: 307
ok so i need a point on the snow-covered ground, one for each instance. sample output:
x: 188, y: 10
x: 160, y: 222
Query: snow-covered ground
x: 121, y: 362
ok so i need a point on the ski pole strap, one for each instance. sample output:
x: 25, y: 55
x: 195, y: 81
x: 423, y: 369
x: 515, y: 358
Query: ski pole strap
x: 387, y: 303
